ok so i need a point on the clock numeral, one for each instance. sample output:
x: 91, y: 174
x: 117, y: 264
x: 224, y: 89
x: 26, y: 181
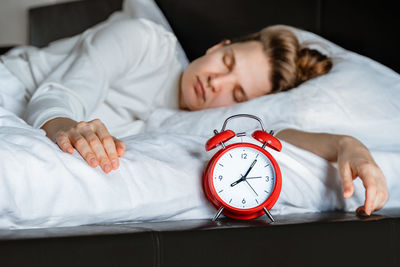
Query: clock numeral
x: 220, y: 177
x: 267, y: 179
x: 244, y: 201
x: 244, y: 156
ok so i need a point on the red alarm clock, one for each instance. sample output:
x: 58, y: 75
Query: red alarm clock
x: 242, y: 180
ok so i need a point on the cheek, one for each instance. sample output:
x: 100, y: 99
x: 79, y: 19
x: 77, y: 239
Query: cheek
x: 222, y: 100
x: 187, y: 85
x: 188, y: 94
x: 185, y: 82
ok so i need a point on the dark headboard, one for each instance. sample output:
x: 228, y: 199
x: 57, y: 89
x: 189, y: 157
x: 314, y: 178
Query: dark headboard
x: 52, y: 22
x: 367, y: 27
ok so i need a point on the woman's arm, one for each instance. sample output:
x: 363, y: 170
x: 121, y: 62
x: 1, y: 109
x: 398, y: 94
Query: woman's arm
x: 77, y: 86
x: 67, y: 97
x: 354, y: 160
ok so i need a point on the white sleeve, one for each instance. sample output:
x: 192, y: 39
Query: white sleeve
x: 79, y: 84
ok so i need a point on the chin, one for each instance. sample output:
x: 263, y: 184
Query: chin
x: 190, y: 98
x: 193, y: 107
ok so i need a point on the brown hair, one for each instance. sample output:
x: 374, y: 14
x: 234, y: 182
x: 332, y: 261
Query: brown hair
x: 292, y: 63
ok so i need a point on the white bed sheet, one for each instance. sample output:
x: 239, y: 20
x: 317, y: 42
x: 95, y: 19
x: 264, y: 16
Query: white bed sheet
x: 160, y: 178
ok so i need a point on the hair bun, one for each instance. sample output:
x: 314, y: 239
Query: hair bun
x: 292, y: 63
x: 310, y: 64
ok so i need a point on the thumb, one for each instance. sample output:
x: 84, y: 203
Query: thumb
x: 347, y: 180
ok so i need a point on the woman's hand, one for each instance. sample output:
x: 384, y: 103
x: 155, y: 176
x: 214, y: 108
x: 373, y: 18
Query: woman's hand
x: 354, y: 160
x: 91, y: 139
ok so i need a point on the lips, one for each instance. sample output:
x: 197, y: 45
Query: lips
x: 200, y: 89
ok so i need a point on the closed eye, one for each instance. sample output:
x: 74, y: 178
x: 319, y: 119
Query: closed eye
x: 229, y: 59
x: 239, y: 95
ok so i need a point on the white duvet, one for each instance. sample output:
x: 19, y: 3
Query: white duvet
x: 160, y: 177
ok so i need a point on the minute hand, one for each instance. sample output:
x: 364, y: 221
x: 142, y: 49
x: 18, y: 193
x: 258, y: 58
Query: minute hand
x: 243, y: 178
x: 248, y: 171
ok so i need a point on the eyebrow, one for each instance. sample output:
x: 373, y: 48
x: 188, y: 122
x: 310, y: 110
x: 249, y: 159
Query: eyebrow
x: 232, y: 55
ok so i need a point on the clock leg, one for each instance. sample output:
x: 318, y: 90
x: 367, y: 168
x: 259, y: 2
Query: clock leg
x: 218, y: 213
x: 269, y: 214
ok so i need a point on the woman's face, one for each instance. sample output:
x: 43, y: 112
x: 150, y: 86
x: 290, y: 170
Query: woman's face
x: 225, y: 75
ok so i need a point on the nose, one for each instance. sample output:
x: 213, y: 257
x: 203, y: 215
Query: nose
x: 221, y: 82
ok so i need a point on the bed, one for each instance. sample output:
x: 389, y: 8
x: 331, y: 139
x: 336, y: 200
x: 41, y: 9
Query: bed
x: 331, y: 238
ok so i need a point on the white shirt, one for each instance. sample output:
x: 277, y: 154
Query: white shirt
x: 118, y: 73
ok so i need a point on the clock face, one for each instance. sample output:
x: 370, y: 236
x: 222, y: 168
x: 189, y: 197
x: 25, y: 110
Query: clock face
x: 244, y: 177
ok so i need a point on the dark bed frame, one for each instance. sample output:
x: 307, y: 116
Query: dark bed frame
x: 316, y: 239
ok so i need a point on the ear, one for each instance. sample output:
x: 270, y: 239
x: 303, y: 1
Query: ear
x: 219, y: 45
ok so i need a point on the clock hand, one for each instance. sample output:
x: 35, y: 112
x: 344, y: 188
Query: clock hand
x: 253, y: 177
x: 251, y: 188
x: 251, y: 167
x: 238, y: 181
x: 243, y: 178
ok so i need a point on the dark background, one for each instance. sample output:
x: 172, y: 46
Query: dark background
x: 370, y: 28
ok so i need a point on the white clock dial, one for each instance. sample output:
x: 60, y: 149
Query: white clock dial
x: 229, y: 182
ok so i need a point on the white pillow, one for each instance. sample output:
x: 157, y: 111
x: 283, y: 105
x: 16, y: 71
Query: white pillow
x: 148, y: 9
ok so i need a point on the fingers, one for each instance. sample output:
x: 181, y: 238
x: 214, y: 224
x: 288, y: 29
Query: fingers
x: 363, y: 166
x: 370, y: 197
x: 107, y: 142
x: 95, y: 144
x: 64, y: 143
x: 83, y: 147
x: 376, y: 193
x: 355, y: 160
x: 347, y: 180
x: 374, y: 200
x: 120, y: 146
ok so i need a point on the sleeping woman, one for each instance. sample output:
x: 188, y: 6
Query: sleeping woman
x: 120, y: 72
